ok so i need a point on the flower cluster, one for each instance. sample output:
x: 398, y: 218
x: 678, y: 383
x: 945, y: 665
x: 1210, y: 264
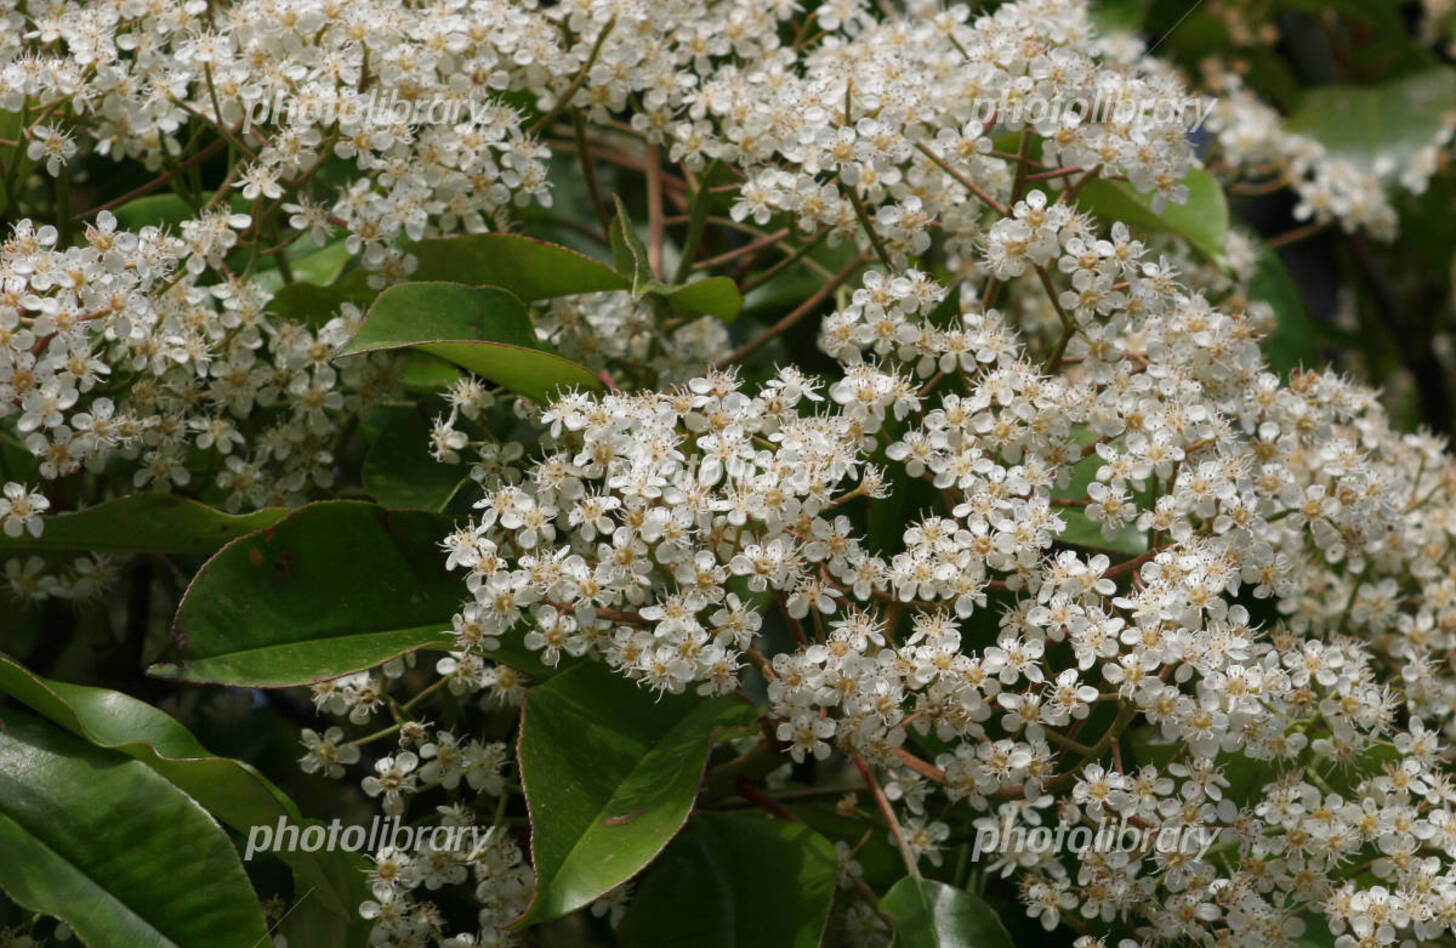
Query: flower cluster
x: 656, y: 528
x: 1252, y: 136
x: 112, y: 352
x: 1129, y: 519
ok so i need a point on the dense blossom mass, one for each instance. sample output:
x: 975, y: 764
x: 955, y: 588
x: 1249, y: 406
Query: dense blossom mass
x: 1110, y: 508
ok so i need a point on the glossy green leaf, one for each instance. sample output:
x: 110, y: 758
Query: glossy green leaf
x: 1083, y: 532
x: 108, y: 845
x: 427, y: 374
x: 484, y: 329
x: 333, y: 588
x: 887, y: 518
x: 629, y: 253
x: 316, y: 266
x: 1374, y: 37
x: 320, y: 265
x: 715, y: 296
x: 399, y: 471
x: 144, y: 523
x: 1202, y: 220
x: 308, y: 922
x: 877, y: 855
x: 735, y: 880
x: 947, y: 313
x: 311, y: 919
x: 530, y: 269
x: 1384, y: 123
x: 16, y: 159
x: 1295, y: 340
x: 1080, y: 531
x: 931, y: 914
x: 167, y: 210
x: 1317, y: 932
x: 315, y: 305
x: 154, y: 210
x: 610, y: 773
x: 1124, y: 16
x: 232, y: 790
x: 16, y: 461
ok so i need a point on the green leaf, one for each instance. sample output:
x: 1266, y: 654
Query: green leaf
x: 887, y: 518
x: 16, y: 461
x: 319, y: 267
x: 1081, y: 531
x: 947, y: 313
x: 610, y: 773
x: 1085, y: 533
x: 18, y: 163
x: 1384, y: 122
x: 483, y: 329
x: 309, y: 922
x: 399, y: 471
x: 1317, y: 932
x: 735, y: 880
x: 154, y: 210
x: 315, y: 305
x: 1124, y: 16
x: 427, y: 374
x: 715, y: 296
x: 1374, y: 39
x: 144, y: 523
x: 1246, y: 776
x: 790, y: 286
x: 930, y: 914
x: 530, y: 269
x: 167, y: 211
x: 233, y: 791
x: 106, y: 844
x: 1295, y: 340
x: 333, y: 588
x: 629, y: 253
x: 1202, y: 220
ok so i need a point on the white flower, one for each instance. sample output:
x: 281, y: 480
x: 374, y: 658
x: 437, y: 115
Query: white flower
x: 393, y: 778
x: 21, y: 509
x: 327, y: 753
